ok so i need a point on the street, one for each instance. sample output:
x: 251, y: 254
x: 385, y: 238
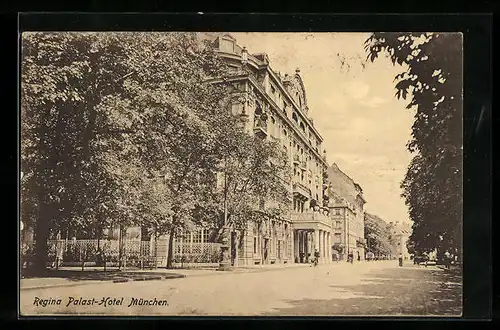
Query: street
x: 365, y: 288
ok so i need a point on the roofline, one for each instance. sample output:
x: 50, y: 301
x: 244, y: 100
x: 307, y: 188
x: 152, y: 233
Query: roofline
x: 257, y: 64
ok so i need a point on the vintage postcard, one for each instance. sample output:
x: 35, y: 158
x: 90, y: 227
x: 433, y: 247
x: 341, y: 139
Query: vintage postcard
x: 241, y: 174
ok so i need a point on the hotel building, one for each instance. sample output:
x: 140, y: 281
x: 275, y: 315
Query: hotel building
x: 274, y: 106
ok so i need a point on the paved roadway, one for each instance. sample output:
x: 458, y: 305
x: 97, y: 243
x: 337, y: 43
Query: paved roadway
x: 365, y: 288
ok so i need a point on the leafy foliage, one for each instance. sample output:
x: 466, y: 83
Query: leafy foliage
x: 377, y: 235
x: 125, y: 128
x: 431, y: 79
x: 252, y: 182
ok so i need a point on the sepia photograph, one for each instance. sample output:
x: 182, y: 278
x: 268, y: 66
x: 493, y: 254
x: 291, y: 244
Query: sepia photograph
x: 241, y: 174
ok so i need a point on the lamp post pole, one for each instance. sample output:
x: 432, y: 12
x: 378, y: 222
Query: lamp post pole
x: 225, y: 263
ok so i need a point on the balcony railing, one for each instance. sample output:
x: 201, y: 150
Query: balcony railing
x: 299, y: 188
x: 260, y: 127
x: 311, y: 216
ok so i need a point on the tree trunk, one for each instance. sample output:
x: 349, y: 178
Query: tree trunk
x: 170, y: 255
x: 120, y: 247
x: 42, y: 235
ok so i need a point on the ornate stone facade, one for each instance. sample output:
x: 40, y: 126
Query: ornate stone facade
x: 273, y: 106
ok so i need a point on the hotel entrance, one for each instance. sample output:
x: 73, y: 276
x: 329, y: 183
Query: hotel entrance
x: 304, y: 246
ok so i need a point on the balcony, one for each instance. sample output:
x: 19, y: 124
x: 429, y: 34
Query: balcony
x: 311, y: 217
x: 360, y: 242
x: 300, y: 189
x: 296, y: 159
x: 303, y: 165
x: 260, y: 127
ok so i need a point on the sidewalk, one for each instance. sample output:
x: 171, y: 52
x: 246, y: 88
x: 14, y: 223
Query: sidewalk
x: 73, y: 276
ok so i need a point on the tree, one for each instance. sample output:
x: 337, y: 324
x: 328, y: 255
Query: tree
x: 377, y: 235
x: 64, y: 79
x: 175, y: 117
x: 253, y: 182
x: 431, y: 79
x: 102, y: 113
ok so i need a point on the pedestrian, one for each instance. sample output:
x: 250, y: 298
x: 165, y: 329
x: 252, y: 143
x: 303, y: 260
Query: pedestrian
x: 447, y: 259
x: 400, y: 260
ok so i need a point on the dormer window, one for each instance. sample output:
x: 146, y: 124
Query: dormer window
x: 227, y: 45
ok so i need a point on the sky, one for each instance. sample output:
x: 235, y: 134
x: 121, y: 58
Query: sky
x: 364, y: 126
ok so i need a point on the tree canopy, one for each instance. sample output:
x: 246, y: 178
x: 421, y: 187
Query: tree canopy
x: 377, y: 235
x: 126, y: 128
x: 431, y: 80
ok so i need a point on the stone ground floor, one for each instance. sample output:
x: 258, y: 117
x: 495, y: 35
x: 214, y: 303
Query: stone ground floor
x: 338, y: 289
x: 270, y: 242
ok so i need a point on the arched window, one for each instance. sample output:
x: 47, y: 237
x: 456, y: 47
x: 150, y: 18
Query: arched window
x: 294, y: 117
x: 302, y: 127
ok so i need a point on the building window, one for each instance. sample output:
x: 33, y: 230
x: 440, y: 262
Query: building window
x: 255, y: 245
x: 338, y: 238
x: 337, y: 211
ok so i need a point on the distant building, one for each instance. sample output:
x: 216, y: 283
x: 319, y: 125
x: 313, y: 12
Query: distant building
x: 346, y: 205
x: 399, y: 235
x: 377, y: 235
